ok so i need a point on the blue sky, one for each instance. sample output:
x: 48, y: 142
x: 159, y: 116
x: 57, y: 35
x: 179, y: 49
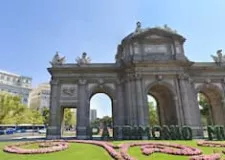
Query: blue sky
x: 31, y: 31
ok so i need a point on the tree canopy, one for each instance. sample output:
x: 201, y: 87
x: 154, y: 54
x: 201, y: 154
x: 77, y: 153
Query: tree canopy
x: 12, y: 111
x: 153, y: 119
x: 204, y: 110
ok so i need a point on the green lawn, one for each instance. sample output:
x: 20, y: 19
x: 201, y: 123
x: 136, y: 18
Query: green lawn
x: 91, y: 152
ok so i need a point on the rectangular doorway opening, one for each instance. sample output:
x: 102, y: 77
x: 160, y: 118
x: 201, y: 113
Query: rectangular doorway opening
x: 69, y: 122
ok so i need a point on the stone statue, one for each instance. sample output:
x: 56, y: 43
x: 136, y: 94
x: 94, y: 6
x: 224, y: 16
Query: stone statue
x: 220, y: 58
x: 138, y: 27
x: 84, y: 59
x: 57, y: 60
x: 166, y: 27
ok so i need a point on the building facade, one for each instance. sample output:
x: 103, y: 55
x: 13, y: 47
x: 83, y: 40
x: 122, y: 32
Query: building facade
x: 149, y: 61
x: 39, y: 97
x: 93, y: 115
x: 15, y: 84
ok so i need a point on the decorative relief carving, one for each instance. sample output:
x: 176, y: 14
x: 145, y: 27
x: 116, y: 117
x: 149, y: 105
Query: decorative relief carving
x: 207, y: 81
x: 184, y: 76
x: 69, y: 90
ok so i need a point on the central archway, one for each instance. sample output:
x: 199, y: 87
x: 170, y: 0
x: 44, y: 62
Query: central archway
x: 101, y: 112
x: 166, y: 107
x: 109, y: 94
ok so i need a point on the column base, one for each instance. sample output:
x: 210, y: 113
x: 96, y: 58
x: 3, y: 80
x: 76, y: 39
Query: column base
x: 197, y: 132
x: 53, y: 132
x: 83, y: 132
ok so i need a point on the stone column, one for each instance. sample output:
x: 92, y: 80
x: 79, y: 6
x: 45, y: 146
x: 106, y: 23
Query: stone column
x: 119, y: 108
x: 140, y: 101
x: 178, y: 101
x: 178, y: 110
x: 55, y: 115
x: 82, y: 112
x: 191, y: 112
x: 128, y: 108
x: 133, y: 97
x: 223, y: 100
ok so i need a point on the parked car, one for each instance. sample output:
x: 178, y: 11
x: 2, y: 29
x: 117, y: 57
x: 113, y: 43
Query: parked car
x: 20, y: 131
x: 42, y: 131
x: 2, y: 132
x: 10, y: 130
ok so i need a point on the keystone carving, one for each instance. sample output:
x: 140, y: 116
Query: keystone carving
x: 159, y: 77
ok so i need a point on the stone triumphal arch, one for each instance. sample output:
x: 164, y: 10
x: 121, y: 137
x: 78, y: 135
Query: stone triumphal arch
x: 148, y: 61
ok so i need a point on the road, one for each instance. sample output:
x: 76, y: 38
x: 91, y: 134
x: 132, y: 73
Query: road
x: 19, y: 136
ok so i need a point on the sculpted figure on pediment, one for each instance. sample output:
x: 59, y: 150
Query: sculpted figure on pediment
x: 84, y: 59
x: 57, y: 60
x: 220, y: 58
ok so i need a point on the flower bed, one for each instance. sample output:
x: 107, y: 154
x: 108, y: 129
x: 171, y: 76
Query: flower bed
x: 147, y: 148
x: 206, y: 157
x: 55, y: 147
x: 211, y: 144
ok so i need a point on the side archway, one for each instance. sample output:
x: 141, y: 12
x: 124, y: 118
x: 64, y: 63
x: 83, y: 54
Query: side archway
x: 214, y: 97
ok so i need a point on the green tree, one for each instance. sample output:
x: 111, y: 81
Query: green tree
x: 12, y: 111
x: 107, y: 120
x: 45, y: 114
x: 153, y: 120
x: 96, y: 122
x: 11, y: 108
x: 69, y: 118
x: 205, y: 110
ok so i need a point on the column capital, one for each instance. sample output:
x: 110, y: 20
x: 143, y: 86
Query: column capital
x: 183, y: 76
x: 82, y: 81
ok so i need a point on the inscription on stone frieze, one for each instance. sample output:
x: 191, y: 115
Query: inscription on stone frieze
x: 149, y: 48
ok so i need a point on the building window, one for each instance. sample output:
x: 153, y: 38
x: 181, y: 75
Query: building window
x: 8, y: 79
x: 25, y: 100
